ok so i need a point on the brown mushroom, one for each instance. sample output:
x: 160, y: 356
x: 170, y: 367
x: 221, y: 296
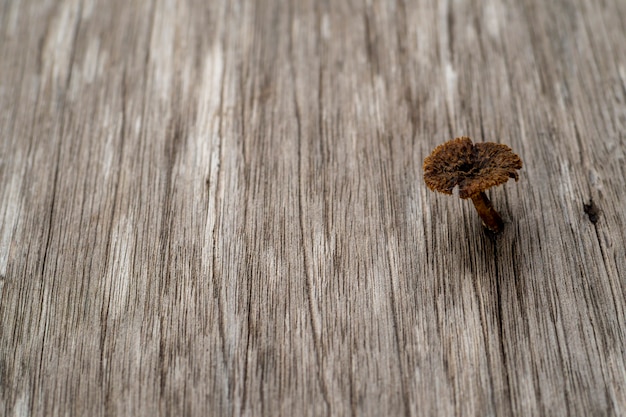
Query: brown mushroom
x: 473, y: 167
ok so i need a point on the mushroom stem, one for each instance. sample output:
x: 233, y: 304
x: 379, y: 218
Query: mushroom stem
x: 491, y: 218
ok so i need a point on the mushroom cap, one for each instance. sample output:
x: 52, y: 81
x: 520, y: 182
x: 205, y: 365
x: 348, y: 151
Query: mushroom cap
x: 474, y: 167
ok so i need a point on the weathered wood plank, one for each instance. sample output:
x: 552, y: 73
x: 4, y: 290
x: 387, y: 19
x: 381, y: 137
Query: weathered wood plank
x: 217, y: 208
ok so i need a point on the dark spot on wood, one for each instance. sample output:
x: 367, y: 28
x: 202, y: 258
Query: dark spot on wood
x: 592, y: 211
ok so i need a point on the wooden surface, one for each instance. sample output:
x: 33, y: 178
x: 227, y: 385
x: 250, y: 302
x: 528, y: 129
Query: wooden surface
x: 218, y: 208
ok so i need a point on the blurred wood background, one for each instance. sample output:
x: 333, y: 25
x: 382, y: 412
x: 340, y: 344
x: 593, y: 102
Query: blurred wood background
x: 217, y: 208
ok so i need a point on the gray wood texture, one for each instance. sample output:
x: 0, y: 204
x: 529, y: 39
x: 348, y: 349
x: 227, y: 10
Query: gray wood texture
x: 218, y: 208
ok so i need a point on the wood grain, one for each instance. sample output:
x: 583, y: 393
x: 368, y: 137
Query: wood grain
x: 217, y: 208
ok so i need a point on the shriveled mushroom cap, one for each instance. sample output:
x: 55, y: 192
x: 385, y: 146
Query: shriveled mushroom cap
x: 474, y: 167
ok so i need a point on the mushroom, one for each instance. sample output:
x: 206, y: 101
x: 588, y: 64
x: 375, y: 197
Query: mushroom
x: 473, y: 167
